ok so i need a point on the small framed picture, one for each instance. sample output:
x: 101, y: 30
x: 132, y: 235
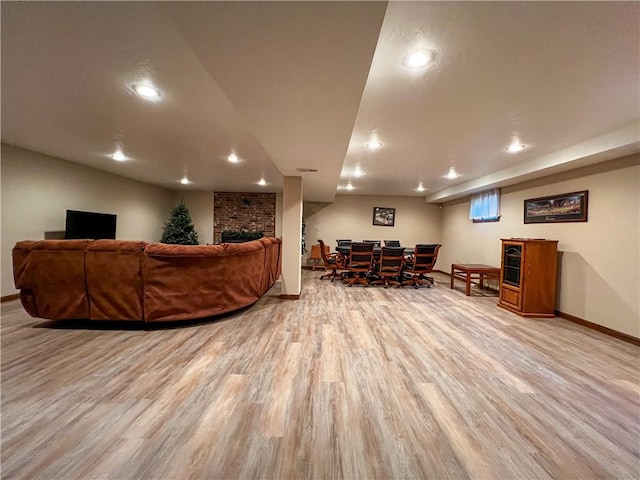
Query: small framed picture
x: 385, y: 217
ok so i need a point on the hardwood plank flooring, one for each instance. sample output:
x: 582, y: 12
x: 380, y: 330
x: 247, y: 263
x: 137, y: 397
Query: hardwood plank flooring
x: 353, y: 383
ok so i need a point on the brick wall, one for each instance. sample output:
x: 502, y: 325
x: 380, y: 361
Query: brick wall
x: 234, y: 211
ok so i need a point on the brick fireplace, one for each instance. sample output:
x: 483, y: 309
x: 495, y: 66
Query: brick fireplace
x: 237, y: 211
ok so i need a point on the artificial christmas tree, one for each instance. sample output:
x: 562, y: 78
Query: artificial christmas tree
x: 179, y: 230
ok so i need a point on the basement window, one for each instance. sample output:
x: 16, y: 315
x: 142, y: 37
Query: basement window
x: 485, y: 206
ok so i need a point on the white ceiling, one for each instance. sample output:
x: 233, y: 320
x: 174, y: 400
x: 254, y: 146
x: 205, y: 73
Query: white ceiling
x: 288, y: 85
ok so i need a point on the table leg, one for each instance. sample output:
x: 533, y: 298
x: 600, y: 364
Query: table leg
x: 468, y: 284
x: 481, y: 285
x: 451, y: 286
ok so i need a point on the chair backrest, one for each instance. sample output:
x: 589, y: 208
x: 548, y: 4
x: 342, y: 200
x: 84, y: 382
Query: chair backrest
x: 360, y: 257
x: 392, y: 243
x: 323, y: 253
x: 391, y: 259
x: 375, y: 242
x: 425, y: 256
x: 344, y: 242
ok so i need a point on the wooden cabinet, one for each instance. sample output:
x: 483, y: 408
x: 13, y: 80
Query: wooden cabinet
x: 528, y: 276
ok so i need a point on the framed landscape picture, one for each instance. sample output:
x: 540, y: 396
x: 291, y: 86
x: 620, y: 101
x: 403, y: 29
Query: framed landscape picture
x: 384, y: 217
x: 567, y: 207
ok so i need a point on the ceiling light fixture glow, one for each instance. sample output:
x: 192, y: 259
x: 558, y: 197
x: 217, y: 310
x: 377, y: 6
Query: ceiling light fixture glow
x: 349, y: 186
x: 358, y: 172
x: 374, y: 145
x: 419, y: 59
x: 420, y: 188
x: 185, y: 181
x: 515, y: 147
x: 118, y: 156
x: 233, y: 158
x: 147, y: 92
x: 262, y: 182
x: 451, y: 174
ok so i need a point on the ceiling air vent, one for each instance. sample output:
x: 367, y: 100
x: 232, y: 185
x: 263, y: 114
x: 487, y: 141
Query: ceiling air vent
x: 307, y: 170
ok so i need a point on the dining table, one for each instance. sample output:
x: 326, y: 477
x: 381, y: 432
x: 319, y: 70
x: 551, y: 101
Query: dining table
x: 346, y: 249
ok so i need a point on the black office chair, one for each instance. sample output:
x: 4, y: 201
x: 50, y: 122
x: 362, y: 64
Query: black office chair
x: 390, y: 266
x: 343, y: 242
x: 392, y: 243
x: 420, y: 263
x: 360, y: 263
x: 376, y: 243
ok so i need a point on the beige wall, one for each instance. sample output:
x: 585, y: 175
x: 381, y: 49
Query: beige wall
x: 200, y: 206
x: 351, y: 216
x: 599, y: 259
x: 38, y: 189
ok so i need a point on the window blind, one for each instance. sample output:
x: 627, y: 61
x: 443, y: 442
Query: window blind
x: 485, y: 206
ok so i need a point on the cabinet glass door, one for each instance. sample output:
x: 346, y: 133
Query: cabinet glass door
x: 511, y: 261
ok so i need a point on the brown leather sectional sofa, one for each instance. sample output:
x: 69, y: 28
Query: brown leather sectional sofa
x: 140, y: 281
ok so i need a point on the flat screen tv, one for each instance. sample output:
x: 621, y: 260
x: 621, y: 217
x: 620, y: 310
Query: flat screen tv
x: 90, y: 225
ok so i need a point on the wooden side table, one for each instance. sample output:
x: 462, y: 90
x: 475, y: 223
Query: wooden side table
x: 473, y: 271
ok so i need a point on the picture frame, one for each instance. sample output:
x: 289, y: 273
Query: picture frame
x: 565, y: 207
x: 384, y: 216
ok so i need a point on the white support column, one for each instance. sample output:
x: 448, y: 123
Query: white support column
x: 291, y: 280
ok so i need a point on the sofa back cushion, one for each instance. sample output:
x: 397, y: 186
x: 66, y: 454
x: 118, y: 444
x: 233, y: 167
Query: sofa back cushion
x: 272, y: 261
x: 114, y: 279
x: 244, y: 272
x: 183, y: 282
x: 56, y: 277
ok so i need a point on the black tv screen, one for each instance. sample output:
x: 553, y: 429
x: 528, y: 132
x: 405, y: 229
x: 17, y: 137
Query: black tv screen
x: 90, y: 225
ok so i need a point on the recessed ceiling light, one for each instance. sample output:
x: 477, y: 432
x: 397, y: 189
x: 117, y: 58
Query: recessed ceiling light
x: 451, y: 174
x: 147, y: 92
x: 515, y: 147
x: 233, y: 158
x: 419, y: 59
x: 374, y: 145
x: 262, y: 182
x: 185, y: 181
x: 349, y: 186
x: 358, y: 173
x: 118, y: 156
x: 420, y: 188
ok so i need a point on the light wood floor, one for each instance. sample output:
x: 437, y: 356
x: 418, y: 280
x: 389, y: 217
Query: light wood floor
x: 354, y: 383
